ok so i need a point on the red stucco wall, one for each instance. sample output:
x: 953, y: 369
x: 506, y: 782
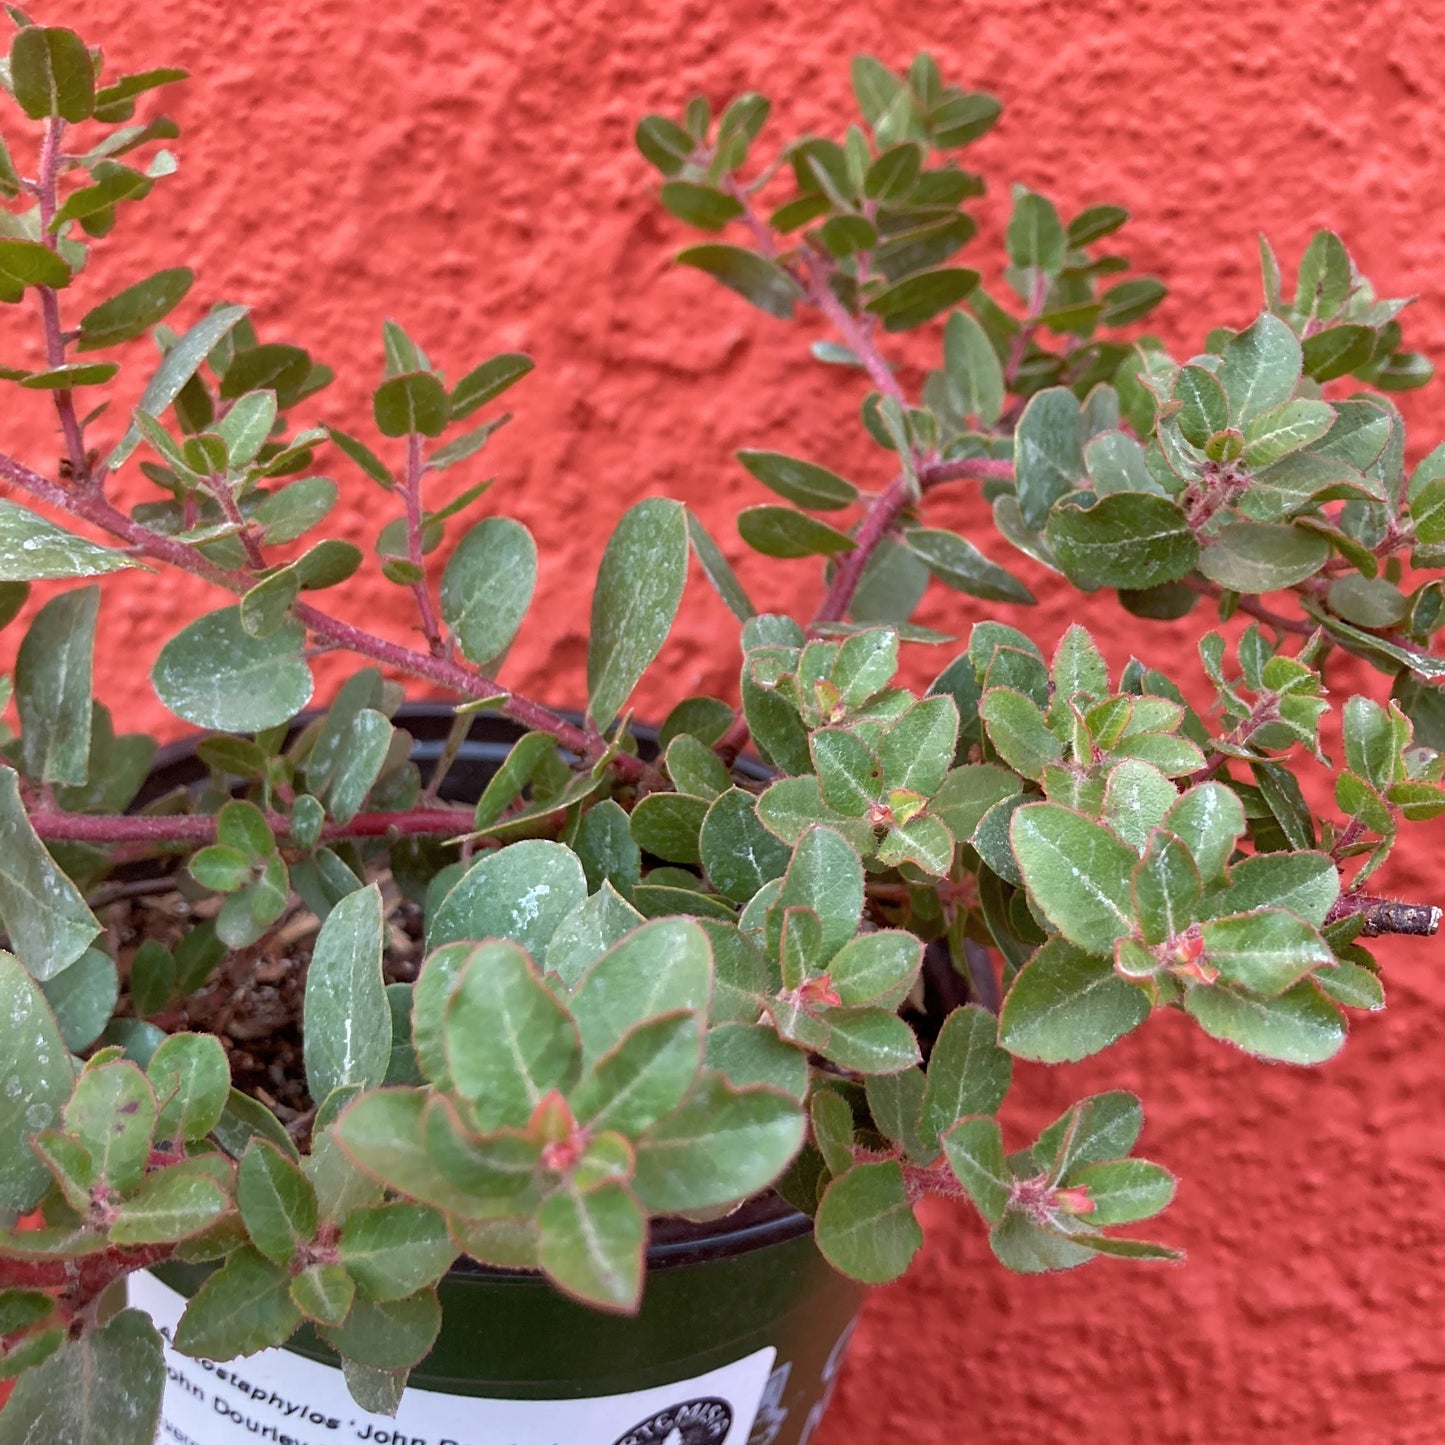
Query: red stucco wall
x: 468, y: 169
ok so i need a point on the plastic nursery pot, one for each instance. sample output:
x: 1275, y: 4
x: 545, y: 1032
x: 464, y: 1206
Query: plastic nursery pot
x: 741, y: 1332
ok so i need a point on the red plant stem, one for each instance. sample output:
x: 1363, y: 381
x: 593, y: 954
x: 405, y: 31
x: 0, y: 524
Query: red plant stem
x: 55, y: 826
x: 1384, y: 915
x: 978, y: 469
x: 47, y: 192
x: 92, y: 507
x: 883, y: 515
x: 226, y: 500
x: 854, y: 333
x: 83, y: 1276
x: 411, y: 488
x: 1026, y: 330
x: 879, y: 520
x: 1253, y: 607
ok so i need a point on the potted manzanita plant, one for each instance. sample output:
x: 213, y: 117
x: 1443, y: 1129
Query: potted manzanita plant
x: 589, y: 1072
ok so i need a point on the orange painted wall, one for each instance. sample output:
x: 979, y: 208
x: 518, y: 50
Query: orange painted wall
x: 468, y: 169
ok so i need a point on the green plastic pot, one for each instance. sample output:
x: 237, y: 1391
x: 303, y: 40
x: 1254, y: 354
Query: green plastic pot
x: 748, y: 1295
x: 715, y: 1295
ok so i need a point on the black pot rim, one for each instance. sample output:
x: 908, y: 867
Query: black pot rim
x: 761, y: 1221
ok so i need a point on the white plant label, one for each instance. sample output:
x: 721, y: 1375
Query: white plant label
x: 285, y: 1399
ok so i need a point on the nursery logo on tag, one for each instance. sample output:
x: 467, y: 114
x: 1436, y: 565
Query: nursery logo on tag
x: 698, y: 1422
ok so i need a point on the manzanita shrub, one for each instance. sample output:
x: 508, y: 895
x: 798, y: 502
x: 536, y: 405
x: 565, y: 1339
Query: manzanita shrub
x: 655, y: 983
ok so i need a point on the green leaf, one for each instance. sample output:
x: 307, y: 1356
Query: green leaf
x: 1077, y: 871
x: 695, y: 769
x: 869, y: 1041
x: 499, y: 998
x: 1306, y: 883
x: 1167, y: 887
x: 1066, y: 1004
x: 243, y: 1307
x: 34, y: 550
x: 876, y: 968
x: 825, y: 875
x: 752, y: 276
x: 1262, y: 557
x: 1017, y: 730
x: 52, y: 73
x: 604, y: 844
x: 172, y: 1204
x: 29, y: 263
x: 1260, y: 367
x: 1131, y: 300
x: 865, y: 1226
x: 113, y: 183
x: 782, y: 532
x: 180, y: 364
x: 1207, y: 819
x: 1337, y: 351
x: 323, y: 1293
x: 719, y: 570
x: 487, y: 382
x: 804, y: 483
x: 521, y: 892
x: 132, y: 312
x: 487, y: 587
x: 738, y: 853
x: 277, y: 1202
x: 705, y: 207
x: 112, y: 97
x: 1035, y: 235
x: 591, y: 928
x: 642, y: 1077
x: 413, y: 402
x: 1203, y: 408
x: 1285, y: 428
x: 1126, y: 539
x: 667, y: 825
x: 922, y: 296
x: 664, y: 143
x: 191, y: 1076
x: 84, y: 997
x: 347, y: 1020
x: 719, y: 1146
x: 53, y: 688
x: 244, y: 1119
x: 214, y: 674
x: 506, y: 784
x: 388, y: 1335
x: 957, y: 563
x: 1264, y: 951
x: 748, y: 1054
x: 972, y: 369
x: 968, y: 1073
x: 1299, y: 1026
x: 71, y: 375
x: 1124, y: 1191
x: 37, y: 1081
x: 1048, y: 452
x: 974, y: 1148
x: 293, y: 510
x: 591, y: 1245
x: 363, y: 456
x: 1103, y: 1126
x: 394, y: 1250
x: 44, y: 914
x: 1352, y: 985
x: 865, y: 664
x: 639, y: 586
x: 662, y: 967
x: 104, y: 1388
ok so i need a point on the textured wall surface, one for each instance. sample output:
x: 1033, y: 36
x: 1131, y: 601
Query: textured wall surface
x: 468, y: 169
